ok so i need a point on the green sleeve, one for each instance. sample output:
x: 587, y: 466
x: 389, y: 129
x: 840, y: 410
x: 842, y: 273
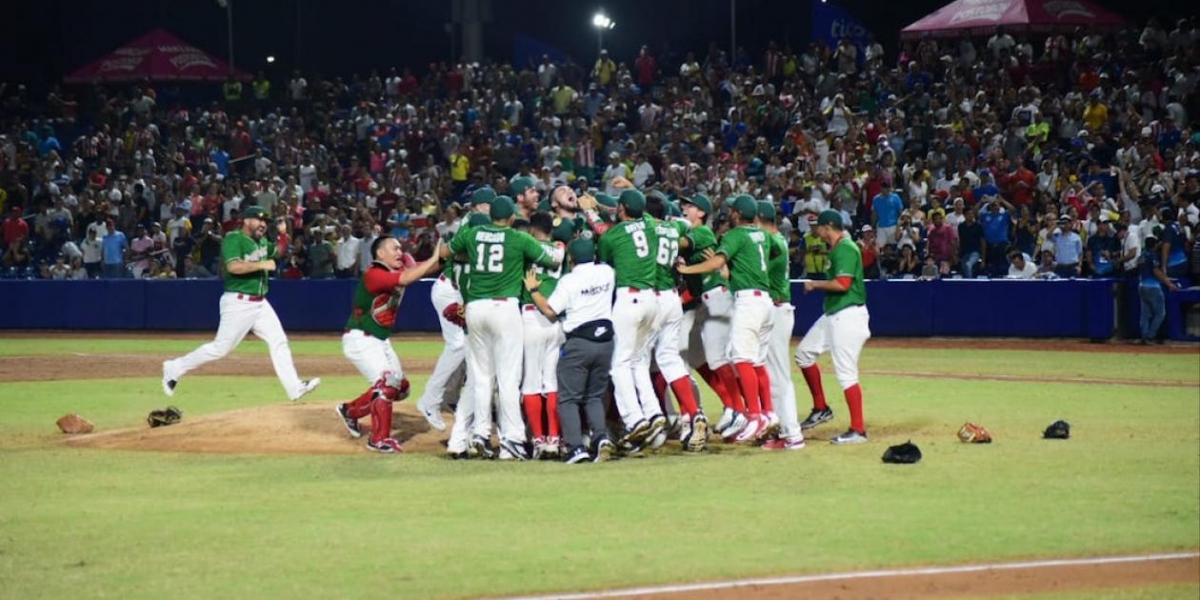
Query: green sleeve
x: 843, y: 261
x: 535, y: 252
x: 731, y: 242
x: 460, y: 242
x: 701, y: 238
x: 604, y: 248
x: 231, y: 248
x: 270, y: 250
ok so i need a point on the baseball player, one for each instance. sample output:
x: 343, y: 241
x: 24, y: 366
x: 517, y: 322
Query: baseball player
x: 665, y: 340
x: 542, y: 340
x: 445, y: 294
x: 744, y: 248
x: 716, y: 306
x: 842, y: 330
x: 582, y: 300
x: 783, y: 319
x: 525, y: 195
x: 629, y: 247
x: 365, y: 343
x: 244, y: 308
x: 497, y: 256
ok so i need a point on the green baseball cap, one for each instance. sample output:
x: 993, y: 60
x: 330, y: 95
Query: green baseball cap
x: 746, y: 206
x: 634, y: 202
x: 583, y: 250
x: 830, y: 217
x: 564, y: 230
x: 254, y: 212
x: 544, y: 205
x: 477, y: 218
x: 766, y: 210
x: 520, y: 184
x: 701, y: 202
x: 606, y: 201
x: 673, y: 210
x: 483, y: 196
x: 502, y: 208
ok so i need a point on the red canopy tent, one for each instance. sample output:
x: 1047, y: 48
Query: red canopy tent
x: 977, y: 17
x: 157, y: 56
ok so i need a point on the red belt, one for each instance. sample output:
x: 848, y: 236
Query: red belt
x: 529, y: 307
x: 447, y: 280
x: 249, y: 297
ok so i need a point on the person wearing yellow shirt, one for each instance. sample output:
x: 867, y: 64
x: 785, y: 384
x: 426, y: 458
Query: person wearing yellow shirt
x: 1095, y: 115
x: 460, y: 165
x: 562, y: 95
x: 605, y: 69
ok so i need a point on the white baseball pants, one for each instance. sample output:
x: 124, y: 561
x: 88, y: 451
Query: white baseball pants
x: 494, y: 334
x: 542, y: 342
x: 633, y: 321
x: 239, y: 316
x: 779, y: 369
x: 370, y: 355
x: 843, y: 334
x: 667, y: 336
x: 443, y: 294
x: 714, y: 328
x: 750, y: 328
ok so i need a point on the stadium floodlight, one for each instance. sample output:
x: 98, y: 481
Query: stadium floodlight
x: 601, y: 22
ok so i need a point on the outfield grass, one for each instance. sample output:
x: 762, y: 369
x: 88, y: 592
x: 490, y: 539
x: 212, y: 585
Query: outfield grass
x: 90, y: 523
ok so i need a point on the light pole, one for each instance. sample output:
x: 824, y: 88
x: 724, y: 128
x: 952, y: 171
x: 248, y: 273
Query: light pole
x: 228, y: 6
x: 601, y: 22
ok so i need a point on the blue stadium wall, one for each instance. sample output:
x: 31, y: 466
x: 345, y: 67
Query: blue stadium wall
x: 1071, y: 309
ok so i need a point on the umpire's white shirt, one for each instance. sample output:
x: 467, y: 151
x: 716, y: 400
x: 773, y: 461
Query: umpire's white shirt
x: 584, y: 295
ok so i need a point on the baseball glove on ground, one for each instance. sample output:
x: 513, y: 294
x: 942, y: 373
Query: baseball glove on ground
x: 456, y: 313
x: 903, y: 454
x: 1058, y: 430
x: 168, y: 416
x: 971, y: 433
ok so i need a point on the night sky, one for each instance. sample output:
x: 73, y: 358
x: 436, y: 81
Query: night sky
x: 49, y: 38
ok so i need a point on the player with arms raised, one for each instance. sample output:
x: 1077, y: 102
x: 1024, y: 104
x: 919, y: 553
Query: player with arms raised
x: 365, y: 343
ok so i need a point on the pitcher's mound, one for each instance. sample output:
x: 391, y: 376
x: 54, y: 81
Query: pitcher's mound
x: 276, y: 429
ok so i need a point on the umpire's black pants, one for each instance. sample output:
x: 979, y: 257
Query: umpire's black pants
x: 583, y: 376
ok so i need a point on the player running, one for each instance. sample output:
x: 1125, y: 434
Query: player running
x: 248, y: 257
x: 842, y: 330
x: 365, y: 343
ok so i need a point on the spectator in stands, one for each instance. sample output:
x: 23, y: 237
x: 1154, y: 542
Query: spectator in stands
x: 321, y: 257
x: 885, y: 214
x: 997, y: 223
x: 941, y: 244
x: 139, y: 251
x: 348, y: 248
x: 971, y: 244
x: 1103, y: 250
x: 870, y: 252
x: 93, y: 253
x: 1068, y: 250
x: 208, y: 240
x: 15, y: 227
x: 116, y: 249
x: 1020, y: 265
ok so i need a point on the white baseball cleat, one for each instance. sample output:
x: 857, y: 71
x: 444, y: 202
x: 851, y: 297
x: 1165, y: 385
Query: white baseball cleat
x: 307, y: 386
x: 726, y: 420
x: 754, y: 427
x: 433, y: 416
x: 168, y: 382
x: 739, y: 423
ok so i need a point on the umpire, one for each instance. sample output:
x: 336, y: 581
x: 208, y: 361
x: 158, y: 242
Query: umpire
x: 583, y: 299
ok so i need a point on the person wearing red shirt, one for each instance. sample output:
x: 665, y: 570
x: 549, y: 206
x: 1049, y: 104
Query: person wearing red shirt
x: 15, y: 228
x: 646, y: 67
x: 1021, y: 185
x: 234, y: 222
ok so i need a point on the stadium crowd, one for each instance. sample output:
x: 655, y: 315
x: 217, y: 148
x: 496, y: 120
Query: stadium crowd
x: 1000, y: 156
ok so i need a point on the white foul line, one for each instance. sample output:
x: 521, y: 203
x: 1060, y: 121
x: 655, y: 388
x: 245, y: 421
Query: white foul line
x: 794, y: 579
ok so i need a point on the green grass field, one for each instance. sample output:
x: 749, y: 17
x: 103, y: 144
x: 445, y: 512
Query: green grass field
x: 100, y: 524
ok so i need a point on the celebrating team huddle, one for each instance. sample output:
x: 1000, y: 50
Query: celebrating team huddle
x: 578, y: 319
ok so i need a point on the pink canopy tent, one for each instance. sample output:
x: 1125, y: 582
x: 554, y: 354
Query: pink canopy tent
x: 157, y: 56
x: 977, y: 17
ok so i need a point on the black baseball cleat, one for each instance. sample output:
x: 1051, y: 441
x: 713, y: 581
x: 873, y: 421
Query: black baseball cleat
x: 351, y: 424
x: 816, y: 417
x: 577, y: 455
x: 482, y: 448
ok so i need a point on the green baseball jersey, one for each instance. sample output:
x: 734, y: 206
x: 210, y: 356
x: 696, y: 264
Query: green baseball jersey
x: 549, y: 277
x: 777, y: 269
x: 845, y: 261
x: 629, y: 248
x: 376, y: 300
x: 669, y: 233
x: 239, y: 246
x: 703, y: 238
x: 745, y: 249
x: 497, y: 257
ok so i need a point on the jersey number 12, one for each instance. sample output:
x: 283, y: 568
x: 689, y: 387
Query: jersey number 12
x: 495, y: 258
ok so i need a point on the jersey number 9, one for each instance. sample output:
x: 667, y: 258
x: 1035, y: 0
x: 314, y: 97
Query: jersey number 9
x: 640, y: 245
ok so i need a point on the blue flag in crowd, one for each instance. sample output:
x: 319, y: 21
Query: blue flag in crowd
x: 831, y: 23
x: 527, y: 52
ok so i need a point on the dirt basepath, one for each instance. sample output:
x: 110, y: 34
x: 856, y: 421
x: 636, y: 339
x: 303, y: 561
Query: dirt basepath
x: 920, y: 584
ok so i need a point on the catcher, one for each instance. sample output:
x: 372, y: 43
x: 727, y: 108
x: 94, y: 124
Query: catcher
x: 366, y: 344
